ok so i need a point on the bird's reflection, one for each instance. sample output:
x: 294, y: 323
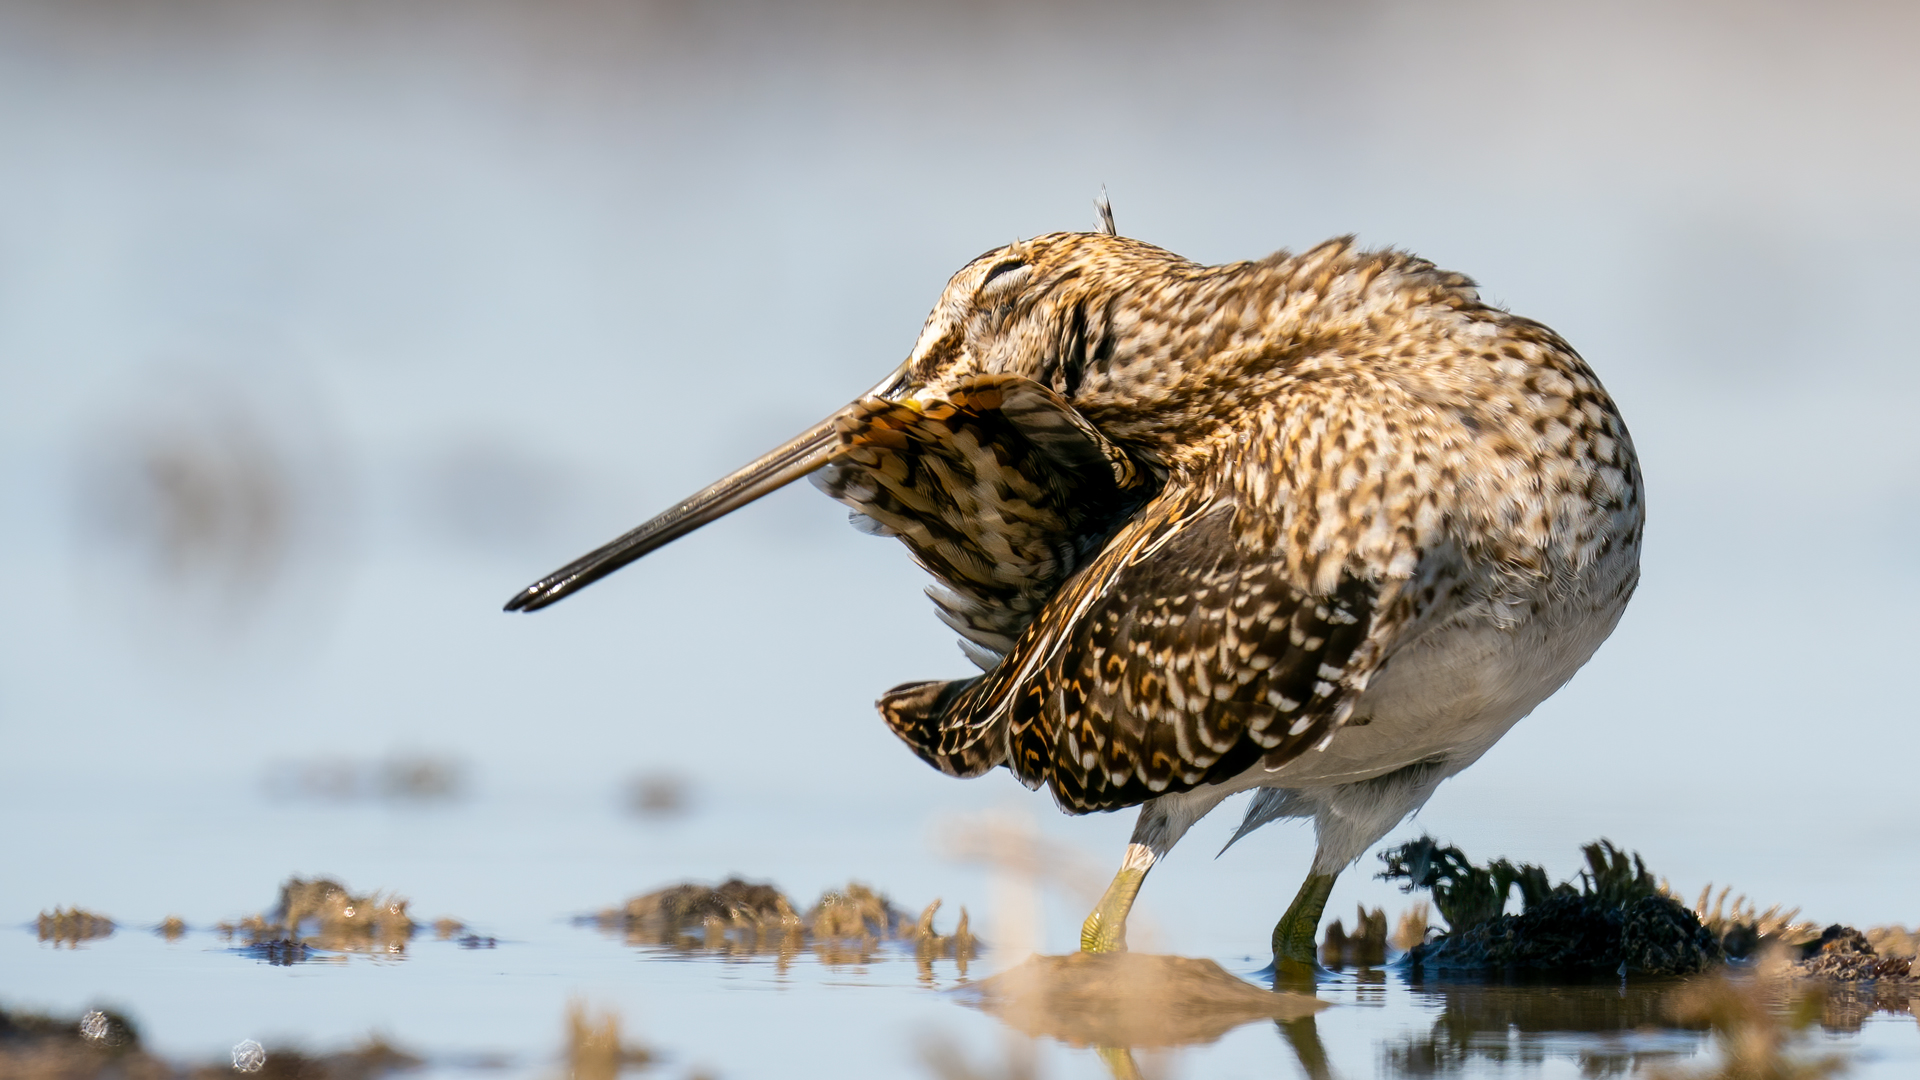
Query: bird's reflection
x: 1611, y: 1029
x: 1120, y: 1003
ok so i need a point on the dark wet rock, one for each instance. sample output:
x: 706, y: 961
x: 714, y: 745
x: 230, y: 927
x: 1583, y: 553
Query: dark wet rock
x: 1132, y: 999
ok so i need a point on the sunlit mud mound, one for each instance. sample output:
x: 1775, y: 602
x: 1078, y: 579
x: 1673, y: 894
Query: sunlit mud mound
x: 848, y: 925
x: 71, y: 926
x: 323, y: 914
x: 1132, y: 999
x: 1611, y: 919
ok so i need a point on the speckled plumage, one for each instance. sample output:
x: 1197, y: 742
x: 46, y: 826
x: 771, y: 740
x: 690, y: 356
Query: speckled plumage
x: 1332, y: 455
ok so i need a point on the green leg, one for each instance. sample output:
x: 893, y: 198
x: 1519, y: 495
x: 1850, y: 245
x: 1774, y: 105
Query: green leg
x: 1300, y: 1035
x: 1119, y: 1062
x: 1293, y: 938
x: 1106, y: 929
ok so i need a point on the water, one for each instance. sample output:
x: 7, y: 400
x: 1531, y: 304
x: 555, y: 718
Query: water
x: 517, y: 868
x: 413, y: 306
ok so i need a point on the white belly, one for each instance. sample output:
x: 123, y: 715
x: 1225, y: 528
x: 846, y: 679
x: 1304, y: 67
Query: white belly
x: 1451, y: 694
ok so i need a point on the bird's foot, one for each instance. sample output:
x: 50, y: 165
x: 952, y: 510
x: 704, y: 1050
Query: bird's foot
x: 1106, y: 929
x: 1293, y: 938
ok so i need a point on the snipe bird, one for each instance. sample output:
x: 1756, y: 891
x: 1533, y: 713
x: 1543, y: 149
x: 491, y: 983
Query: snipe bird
x: 1322, y: 525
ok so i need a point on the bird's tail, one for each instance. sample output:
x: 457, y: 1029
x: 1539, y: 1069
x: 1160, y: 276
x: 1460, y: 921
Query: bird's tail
x: 936, y: 719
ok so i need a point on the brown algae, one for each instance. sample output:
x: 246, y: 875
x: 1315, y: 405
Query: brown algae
x: 71, y: 926
x: 845, y: 926
x: 321, y: 913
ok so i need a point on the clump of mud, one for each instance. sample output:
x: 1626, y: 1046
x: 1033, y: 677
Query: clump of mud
x: 1611, y: 919
x: 71, y: 926
x: 321, y: 913
x: 848, y: 925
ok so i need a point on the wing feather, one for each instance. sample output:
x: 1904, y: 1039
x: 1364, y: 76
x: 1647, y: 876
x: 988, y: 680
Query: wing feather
x: 1134, y: 643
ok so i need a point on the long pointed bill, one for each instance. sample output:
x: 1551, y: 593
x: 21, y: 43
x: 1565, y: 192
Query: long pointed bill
x: 803, y: 454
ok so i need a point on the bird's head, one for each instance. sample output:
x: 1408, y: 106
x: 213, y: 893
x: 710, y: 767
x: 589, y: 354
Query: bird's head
x: 1043, y: 309
x: 1047, y: 309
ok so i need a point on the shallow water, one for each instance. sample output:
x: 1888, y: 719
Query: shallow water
x: 499, y: 1012
x: 521, y: 869
x: 489, y: 283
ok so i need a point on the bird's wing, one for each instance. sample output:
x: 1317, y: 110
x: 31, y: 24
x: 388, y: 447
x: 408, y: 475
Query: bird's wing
x: 1179, y: 657
x: 999, y: 489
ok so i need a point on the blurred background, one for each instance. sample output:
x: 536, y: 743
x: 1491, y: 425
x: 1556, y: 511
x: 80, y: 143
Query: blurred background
x: 326, y: 326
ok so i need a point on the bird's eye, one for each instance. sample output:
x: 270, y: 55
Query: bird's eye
x: 1004, y: 277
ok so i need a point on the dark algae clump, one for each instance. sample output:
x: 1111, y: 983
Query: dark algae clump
x: 1611, y: 919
